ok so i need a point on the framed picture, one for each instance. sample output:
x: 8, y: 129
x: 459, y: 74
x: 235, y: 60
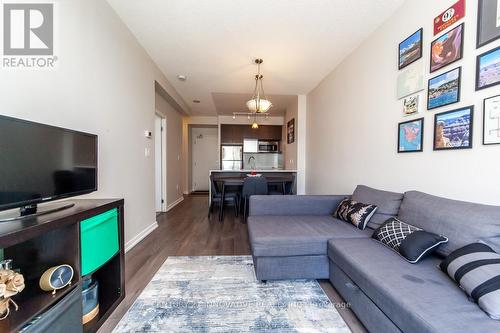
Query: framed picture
x: 488, y: 69
x: 447, y: 48
x: 410, y: 81
x: 411, y: 105
x: 453, y: 129
x: 410, y: 136
x: 290, y: 131
x: 488, y: 22
x: 449, y: 17
x: 491, y: 121
x: 444, y: 89
x: 410, y: 50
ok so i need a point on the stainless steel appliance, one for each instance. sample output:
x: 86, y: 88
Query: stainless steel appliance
x: 232, y: 157
x: 268, y: 146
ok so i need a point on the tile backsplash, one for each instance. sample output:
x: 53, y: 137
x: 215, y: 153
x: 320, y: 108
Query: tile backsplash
x: 263, y: 161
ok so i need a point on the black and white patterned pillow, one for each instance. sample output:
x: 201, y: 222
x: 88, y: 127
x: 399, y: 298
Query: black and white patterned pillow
x: 476, y: 268
x: 355, y: 212
x: 411, y: 242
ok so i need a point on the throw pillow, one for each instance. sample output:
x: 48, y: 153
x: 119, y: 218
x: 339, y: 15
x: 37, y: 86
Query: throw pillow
x: 476, y: 268
x: 410, y: 242
x: 355, y: 212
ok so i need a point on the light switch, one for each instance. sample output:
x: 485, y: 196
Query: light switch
x: 147, y: 152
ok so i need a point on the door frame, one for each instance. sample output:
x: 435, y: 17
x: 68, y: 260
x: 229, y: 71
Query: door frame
x: 163, y: 158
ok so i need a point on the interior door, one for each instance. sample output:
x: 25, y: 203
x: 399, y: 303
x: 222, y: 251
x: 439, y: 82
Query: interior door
x: 204, y: 156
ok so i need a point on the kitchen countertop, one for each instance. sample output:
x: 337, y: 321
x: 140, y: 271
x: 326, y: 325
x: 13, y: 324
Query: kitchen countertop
x: 258, y: 171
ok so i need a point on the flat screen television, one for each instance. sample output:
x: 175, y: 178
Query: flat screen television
x: 40, y: 163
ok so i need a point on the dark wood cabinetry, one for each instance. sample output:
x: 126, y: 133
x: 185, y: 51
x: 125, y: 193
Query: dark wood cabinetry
x: 38, y: 243
x: 234, y: 134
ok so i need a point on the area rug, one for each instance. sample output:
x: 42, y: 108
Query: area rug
x: 221, y: 294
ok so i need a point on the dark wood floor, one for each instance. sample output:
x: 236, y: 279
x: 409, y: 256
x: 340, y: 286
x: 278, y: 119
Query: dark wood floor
x: 186, y: 231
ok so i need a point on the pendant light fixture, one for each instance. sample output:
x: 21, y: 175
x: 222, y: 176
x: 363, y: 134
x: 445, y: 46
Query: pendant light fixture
x: 254, y: 124
x: 259, y: 103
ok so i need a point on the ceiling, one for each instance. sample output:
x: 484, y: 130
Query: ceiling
x: 227, y: 103
x: 214, y: 43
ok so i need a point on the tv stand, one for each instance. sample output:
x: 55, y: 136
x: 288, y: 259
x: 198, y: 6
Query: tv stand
x: 31, y: 211
x: 41, y: 242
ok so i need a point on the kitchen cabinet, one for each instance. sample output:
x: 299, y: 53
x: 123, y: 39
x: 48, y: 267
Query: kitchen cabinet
x: 270, y: 133
x: 234, y: 134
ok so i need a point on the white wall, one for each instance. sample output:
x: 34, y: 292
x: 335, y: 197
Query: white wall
x: 290, y: 150
x: 174, y: 150
x: 353, y: 116
x: 104, y: 84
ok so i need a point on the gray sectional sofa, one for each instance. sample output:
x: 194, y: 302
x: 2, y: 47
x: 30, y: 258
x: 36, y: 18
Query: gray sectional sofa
x: 296, y: 237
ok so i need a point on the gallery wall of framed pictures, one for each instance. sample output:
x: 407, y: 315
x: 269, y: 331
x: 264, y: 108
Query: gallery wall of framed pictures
x: 452, y: 129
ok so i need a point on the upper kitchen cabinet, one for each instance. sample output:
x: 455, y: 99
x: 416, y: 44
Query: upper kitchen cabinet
x: 230, y: 134
x: 270, y: 133
x: 234, y: 134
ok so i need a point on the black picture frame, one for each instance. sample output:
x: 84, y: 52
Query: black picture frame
x: 471, y: 128
x: 460, y: 26
x: 458, y: 93
x: 484, y: 122
x: 420, y: 53
x: 481, y: 10
x: 478, y: 69
x: 290, y: 131
x: 422, y: 123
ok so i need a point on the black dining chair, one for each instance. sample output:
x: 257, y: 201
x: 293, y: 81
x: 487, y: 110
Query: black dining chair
x: 216, y: 198
x: 276, y: 188
x: 290, y: 187
x: 283, y: 188
x: 252, y: 186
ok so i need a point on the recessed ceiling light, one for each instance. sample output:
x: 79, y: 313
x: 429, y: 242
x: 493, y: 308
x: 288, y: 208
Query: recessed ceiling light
x: 182, y: 77
x: 196, y: 101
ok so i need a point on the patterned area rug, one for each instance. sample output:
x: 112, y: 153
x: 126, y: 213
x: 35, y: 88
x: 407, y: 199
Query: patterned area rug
x: 221, y: 294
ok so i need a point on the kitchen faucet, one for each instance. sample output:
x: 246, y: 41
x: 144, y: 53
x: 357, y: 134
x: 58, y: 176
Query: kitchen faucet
x: 252, y: 164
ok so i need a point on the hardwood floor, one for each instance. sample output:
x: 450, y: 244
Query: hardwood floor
x: 186, y: 231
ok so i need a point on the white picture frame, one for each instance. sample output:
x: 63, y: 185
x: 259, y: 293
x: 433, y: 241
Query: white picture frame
x: 411, y: 105
x: 410, y: 81
x: 491, y: 120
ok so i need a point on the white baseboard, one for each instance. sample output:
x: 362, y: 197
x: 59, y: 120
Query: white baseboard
x: 175, y: 203
x: 140, y: 236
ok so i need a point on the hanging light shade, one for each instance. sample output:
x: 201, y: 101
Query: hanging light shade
x: 254, y: 124
x: 259, y: 103
x: 259, y: 106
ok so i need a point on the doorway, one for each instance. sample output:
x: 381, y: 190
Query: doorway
x: 204, y: 156
x: 160, y: 163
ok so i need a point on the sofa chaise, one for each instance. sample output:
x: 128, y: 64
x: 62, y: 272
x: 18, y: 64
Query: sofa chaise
x: 296, y: 237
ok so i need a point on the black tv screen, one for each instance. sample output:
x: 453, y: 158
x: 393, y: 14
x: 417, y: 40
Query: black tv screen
x: 41, y: 163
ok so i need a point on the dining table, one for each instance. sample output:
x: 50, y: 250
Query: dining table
x: 238, y: 181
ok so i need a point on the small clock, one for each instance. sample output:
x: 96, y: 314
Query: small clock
x: 56, y: 278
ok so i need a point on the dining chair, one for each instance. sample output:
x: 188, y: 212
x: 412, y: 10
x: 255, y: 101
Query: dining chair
x: 216, y: 198
x: 290, y: 187
x: 276, y: 188
x: 252, y: 186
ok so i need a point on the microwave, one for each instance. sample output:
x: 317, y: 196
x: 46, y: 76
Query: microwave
x: 268, y: 146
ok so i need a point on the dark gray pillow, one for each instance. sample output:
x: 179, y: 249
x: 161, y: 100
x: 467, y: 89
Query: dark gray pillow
x: 476, y: 268
x: 387, y: 202
x: 412, y: 243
